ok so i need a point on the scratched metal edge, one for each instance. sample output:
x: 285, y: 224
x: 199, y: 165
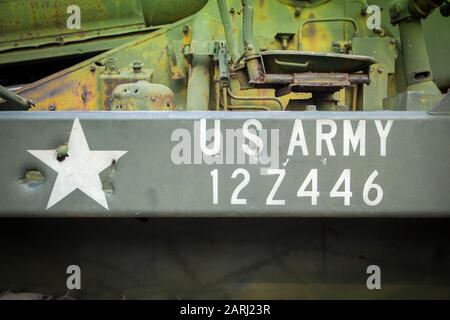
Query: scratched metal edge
x: 192, y: 115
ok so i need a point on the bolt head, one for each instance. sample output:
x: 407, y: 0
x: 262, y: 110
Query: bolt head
x: 137, y: 66
x: 32, y: 178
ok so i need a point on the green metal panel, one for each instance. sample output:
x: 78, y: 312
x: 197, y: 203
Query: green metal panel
x: 26, y: 25
x: 41, y: 22
x: 146, y: 181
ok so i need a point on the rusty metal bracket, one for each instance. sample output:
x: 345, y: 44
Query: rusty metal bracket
x: 200, y: 48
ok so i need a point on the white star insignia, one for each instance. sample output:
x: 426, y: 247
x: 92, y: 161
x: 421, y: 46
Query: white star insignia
x: 80, y: 170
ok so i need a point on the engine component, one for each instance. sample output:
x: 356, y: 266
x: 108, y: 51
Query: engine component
x: 142, y: 95
x: 114, y: 76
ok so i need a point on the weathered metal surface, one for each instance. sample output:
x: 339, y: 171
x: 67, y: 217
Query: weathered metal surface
x: 61, y: 89
x: 142, y: 95
x: 81, y: 87
x: 78, y: 88
x: 381, y: 73
x: 112, y: 76
x: 312, y: 164
x: 308, y: 82
x: 161, y: 170
x: 297, y: 71
x: 27, y: 24
x: 299, y: 61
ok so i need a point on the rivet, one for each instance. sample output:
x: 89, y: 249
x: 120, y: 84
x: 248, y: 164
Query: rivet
x: 32, y: 178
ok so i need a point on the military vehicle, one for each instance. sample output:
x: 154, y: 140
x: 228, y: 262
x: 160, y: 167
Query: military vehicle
x: 257, y: 148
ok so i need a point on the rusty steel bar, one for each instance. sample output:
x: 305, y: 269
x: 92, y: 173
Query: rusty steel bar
x: 297, y: 78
